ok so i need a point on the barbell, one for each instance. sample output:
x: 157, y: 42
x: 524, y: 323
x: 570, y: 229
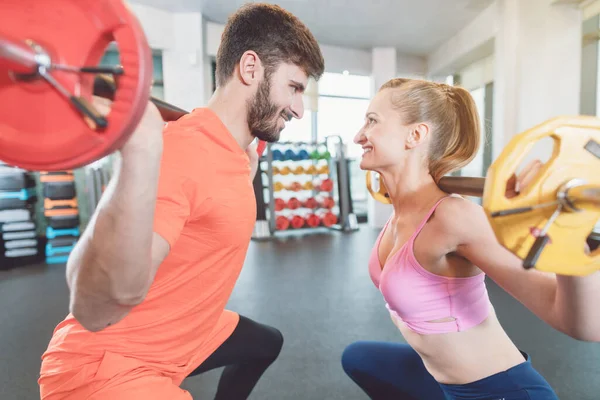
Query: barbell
x: 49, y: 56
x: 548, y: 222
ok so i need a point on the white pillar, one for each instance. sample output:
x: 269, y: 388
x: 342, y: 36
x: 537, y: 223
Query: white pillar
x: 383, y: 69
x: 183, y: 63
x: 537, y: 66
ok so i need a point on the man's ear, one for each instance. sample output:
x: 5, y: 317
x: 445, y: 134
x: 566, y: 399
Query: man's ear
x: 417, y: 135
x: 251, y: 69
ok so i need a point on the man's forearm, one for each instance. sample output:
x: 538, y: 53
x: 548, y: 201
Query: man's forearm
x: 576, y: 301
x: 110, y: 266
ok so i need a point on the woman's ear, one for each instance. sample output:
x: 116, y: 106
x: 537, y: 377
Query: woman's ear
x: 417, y: 135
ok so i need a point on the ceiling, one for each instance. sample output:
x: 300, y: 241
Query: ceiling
x: 412, y: 26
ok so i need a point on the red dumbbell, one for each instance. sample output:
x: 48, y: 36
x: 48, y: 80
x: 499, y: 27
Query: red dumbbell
x: 311, y: 203
x: 327, y: 185
x: 328, y: 202
x: 295, y: 186
x: 313, y: 220
x: 297, y: 222
x: 279, y: 204
x: 282, y: 223
x: 328, y: 218
x: 294, y: 203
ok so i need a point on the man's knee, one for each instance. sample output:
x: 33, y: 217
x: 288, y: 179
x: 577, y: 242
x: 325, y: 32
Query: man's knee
x: 273, y: 344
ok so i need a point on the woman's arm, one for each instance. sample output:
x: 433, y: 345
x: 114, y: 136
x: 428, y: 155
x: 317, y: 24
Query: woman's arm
x: 565, y: 303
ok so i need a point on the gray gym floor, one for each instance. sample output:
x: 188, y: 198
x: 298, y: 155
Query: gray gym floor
x: 315, y: 288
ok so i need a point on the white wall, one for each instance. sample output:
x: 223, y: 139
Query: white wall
x: 337, y: 59
x: 408, y: 66
x: 549, y: 61
x: 536, y: 62
x: 473, y: 42
x: 478, y: 74
x: 183, y: 69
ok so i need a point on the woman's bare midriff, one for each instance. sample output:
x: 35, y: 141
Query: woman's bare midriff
x: 468, y: 356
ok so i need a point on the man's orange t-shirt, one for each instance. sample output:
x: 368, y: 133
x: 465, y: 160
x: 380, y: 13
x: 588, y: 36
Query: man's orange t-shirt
x: 206, y: 210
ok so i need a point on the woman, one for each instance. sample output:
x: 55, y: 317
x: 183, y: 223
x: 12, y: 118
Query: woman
x: 431, y: 258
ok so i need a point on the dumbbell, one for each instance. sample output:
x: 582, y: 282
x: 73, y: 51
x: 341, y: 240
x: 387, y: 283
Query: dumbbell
x: 303, y: 155
x: 299, y: 170
x: 295, y: 186
x: 328, y: 202
x: 293, y: 203
x: 297, y: 222
x: 285, y: 170
x: 312, y: 170
x: 328, y: 218
x: 308, y: 185
x: 326, y: 185
x: 279, y: 204
x: 323, y: 169
x: 311, y: 202
x: 282, y: 223
x: 313, y: 220
x: 290, y: 155
x: 277, y: 155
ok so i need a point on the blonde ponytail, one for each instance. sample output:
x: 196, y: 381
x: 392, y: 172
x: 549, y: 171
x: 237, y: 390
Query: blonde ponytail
x: 453, y: 114
x: 450, y: 151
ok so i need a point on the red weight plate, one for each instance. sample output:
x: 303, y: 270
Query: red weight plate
x: 260, y: 149
x: 39, y: 128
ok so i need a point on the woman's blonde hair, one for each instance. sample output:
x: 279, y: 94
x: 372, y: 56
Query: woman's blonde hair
x: 453, y: 116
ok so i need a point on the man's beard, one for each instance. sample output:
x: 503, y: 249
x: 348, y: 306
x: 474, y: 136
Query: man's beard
x: 263, y: 115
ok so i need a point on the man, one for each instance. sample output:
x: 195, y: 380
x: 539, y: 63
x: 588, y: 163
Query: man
x: 152, y: 273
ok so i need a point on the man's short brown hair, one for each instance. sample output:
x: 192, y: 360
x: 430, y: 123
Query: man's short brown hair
x: 274, y: 34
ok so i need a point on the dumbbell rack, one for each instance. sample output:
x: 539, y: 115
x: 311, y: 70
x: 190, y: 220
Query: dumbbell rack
x: 20, y: 243
x: 300, y: 189
x: 61, y: 210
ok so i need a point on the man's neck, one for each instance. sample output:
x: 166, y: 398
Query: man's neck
x: 231, y: 108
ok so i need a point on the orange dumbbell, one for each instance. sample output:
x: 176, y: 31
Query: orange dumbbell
x: 323, y: 169
x: 295, y: 186
x: 285, y: 171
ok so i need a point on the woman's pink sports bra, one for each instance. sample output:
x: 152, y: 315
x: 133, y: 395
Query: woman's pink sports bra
x: 418, y: 297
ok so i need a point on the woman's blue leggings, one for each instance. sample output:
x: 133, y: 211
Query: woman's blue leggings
x: 395, y: 371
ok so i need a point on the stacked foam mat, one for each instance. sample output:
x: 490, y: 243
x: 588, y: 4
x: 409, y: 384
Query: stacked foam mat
x: 62, y: 215
x: 19, y: 241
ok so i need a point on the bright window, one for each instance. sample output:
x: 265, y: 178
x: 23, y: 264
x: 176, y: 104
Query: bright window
x: 342, y: 85
x: 343, y: 117
x: 298, y: 130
